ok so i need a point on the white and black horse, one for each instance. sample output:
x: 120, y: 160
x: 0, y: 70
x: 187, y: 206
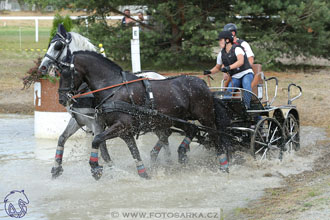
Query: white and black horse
x: 82, y: 110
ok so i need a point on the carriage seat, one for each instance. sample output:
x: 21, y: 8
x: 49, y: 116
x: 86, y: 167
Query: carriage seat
x: 258, y: 79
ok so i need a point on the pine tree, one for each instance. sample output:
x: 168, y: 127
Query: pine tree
x: 182, y: 32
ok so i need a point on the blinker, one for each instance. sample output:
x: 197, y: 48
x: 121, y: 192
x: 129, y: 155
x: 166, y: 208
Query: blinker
x: 58, y: 45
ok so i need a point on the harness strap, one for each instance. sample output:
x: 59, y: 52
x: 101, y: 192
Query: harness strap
x: 72, y: 70
x: 150, y: 96
x: 108, y: 87
x: 108, y: 97
x: 127, y: 108
x: 123, y: 73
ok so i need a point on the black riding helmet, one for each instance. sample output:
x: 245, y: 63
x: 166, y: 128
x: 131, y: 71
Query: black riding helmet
x: 226, y: 35
x: 230, y: 27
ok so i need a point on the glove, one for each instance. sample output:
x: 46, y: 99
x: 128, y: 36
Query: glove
x: 207, y: 72
x: 225, y: 69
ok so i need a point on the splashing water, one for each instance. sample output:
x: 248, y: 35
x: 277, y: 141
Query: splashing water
x: 25, y: 164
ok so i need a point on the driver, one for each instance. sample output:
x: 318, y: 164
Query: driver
x: 234, y: 63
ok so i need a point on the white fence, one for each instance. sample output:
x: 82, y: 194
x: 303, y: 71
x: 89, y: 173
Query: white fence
x: 37, y: 18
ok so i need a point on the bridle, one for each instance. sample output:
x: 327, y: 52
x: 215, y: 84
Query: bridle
x: 69, y: 91
x: 61, y: 43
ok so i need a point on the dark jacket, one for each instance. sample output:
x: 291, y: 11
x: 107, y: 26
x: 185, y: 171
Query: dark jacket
x: 230, y: 58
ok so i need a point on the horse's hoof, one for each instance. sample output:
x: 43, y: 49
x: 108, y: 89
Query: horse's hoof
x: 145, y: 175
x: 183, y: 158
x: 97, y: 172
x: 110, y: 164
x: 224, y: 169
x: 56, y: 171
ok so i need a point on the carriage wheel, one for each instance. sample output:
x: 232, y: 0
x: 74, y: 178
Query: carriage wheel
x: 291, y: 129
x: 267, y: 139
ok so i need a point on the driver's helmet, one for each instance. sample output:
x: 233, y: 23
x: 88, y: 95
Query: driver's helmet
x: 226, y: 35
x: 230, y: 27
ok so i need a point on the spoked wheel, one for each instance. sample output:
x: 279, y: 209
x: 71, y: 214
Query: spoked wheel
x: 291, y: 130
x: 267, y: 139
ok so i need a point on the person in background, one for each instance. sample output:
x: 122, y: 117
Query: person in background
x: 141, y: 17
x: 126, y: 19
x: 141, y: 21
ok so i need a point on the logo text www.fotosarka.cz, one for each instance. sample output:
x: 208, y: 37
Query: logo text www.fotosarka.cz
x: 15, y: 204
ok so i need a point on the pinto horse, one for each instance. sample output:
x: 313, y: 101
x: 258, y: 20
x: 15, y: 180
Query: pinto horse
x: 125, y: 109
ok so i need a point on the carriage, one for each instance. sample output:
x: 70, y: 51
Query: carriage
x: 261, y: 128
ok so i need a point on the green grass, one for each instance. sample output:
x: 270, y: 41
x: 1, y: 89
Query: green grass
x: 15, y: 62
x: 9, y: 38
x: 313, y: 193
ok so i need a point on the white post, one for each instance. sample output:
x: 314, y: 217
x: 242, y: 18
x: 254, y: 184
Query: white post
x: 135, y: 51
x: 86, y: 23
x: 37, y: 31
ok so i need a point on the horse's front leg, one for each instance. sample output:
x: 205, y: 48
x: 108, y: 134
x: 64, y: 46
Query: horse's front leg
x: 112, y: 132
x: 130, y: 141
x: 70, y: 129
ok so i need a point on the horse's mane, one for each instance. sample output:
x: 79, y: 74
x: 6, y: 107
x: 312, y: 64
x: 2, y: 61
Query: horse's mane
x: 101, y: 57
x: 81, y: 43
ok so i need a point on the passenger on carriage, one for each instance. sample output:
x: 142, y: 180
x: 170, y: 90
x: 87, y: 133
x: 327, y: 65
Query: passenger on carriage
x: 247, y: 49
x: 233, y: 61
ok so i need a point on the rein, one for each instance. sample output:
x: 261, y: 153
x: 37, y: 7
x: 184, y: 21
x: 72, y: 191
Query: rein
x: 108, y: 87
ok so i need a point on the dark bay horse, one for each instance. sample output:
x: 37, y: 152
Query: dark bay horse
x: 184, y: 97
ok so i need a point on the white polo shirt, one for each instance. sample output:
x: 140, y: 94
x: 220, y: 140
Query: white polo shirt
x: 247, y: 49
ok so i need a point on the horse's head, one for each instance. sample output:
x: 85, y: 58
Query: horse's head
x: 70, y: 81
x: 60, y: 50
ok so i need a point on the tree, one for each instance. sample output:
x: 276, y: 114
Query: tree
x: 58, y: 19
x: 182, y: 32
x: 285, y: 28
x: 174, y: 35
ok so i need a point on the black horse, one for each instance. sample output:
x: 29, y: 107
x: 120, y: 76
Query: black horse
x: 126, y: 109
